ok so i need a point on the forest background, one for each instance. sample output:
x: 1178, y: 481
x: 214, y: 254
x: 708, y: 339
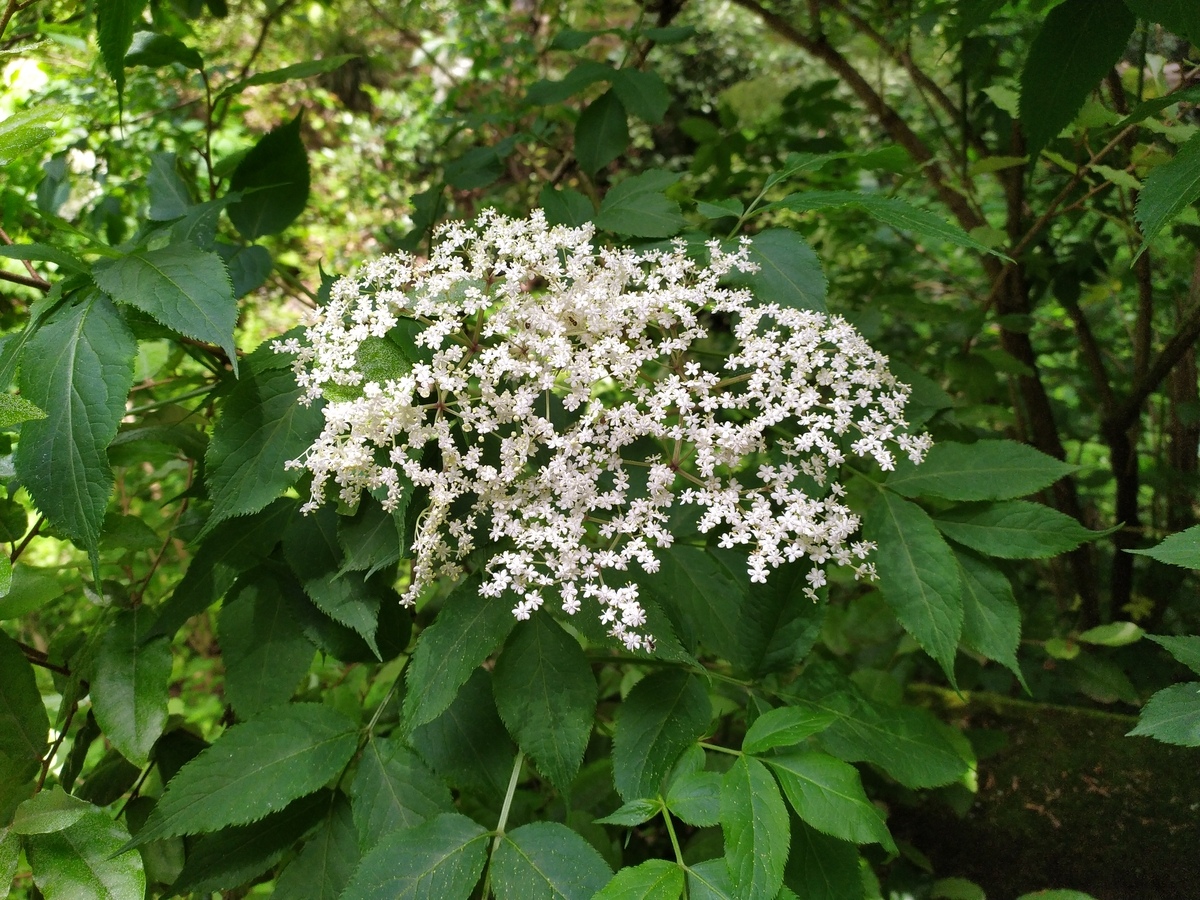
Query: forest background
x: 204, y: 692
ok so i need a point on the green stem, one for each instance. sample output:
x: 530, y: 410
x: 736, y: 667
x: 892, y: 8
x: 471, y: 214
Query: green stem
x: 500, y: 825
x: 717, y: 748
x: 671, y: 834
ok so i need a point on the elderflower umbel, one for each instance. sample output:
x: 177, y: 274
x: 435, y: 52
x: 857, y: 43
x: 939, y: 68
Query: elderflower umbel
x: 560, y: 406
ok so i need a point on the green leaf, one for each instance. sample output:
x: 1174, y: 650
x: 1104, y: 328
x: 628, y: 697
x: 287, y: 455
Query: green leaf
x: 1057, y: 895
x: 601, y: 134
x: 720, y: 209
x: 643, y: 94
x: 710, y: 881
x: 1179, y: 549
x: 129, y: 684
x: 158, y: 50
x: 262, y: 427
x: 1112, y: 634
x: 662, y: 716
x: 273, y: 179
x: 306, y: 69
x: 1015, y: 529
x: 371, y: 538
x: 1169, y: 189
x: 918, y: 576
x: 466, y: 631
x: 1172, y: 716
x: 546, y: 695
x: 635, y: 812
x: 49, y: 811
x: 15, y: 410
x: 324, y: 865
x: 393, y: 789
x: 478, y: 167
x: 755, y: 824
x: 986, y: 470
x: 468, y: 743
x: 586, y: 73
x: 991, y: 618
x: 547, y: 861
x: 1149, y: 108
x: 79, y: 368
x: 1178, y: 16
x: 789, y: 272
x: 655, y: 879
x: 564, y: 206
x: 86, y: 861
x: 638, y: 207
x: 1185, y: 649
x: 695, y: 797
x: 785, y: 727
x: 248, y: 266
x: 909, y: 744
x: 42, y: 252
x: 821, y: 867
x: 439, y: 860
x: 253, y: 769
x: 828, y: 794
x: 233, y: 856
x: 10, y: 854
x: 181, y: 286
x: 22, y: 131
x: 1077, y: 45
x: 348, y: 600
x: 229, y: 549
x: 116, y: 21
x: 263, y: 647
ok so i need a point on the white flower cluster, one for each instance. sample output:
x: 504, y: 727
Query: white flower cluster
x: 564, y: 400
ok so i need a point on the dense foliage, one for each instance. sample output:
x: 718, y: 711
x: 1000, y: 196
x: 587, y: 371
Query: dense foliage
x: 210, y: 684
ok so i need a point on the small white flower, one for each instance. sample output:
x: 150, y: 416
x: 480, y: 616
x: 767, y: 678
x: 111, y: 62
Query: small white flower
x: 545, y: 366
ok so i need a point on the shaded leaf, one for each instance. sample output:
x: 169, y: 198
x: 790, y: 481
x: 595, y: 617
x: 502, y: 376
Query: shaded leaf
x: 273, y: 179
x: 1185, y: 649
x: 466, y: 631
x: 157, y: 50
x: 262, y: 426
x: 348, y: 600
x: 116, y: 21
x: 991, y: 618
x: 233, y: 856
x: 601, y: 134
x: 546, y: 695
x: 710, y: 881
x: 324, y: 865
x: 635, y: 812
x: 547, y: 861
x: 564, y: 206
x: 661, y: 717
x: 468, y: 743
x: 129, y: 682
x: 263, y: 647
x: 24, y: 725
x: 821, y: 867
x: 253, y: 769
x: 643, y: 94
x: 48, y: 811
x: 1078, y: 43
x: 918, y: 575
x: 439, y: 860
x: 393, y: 789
